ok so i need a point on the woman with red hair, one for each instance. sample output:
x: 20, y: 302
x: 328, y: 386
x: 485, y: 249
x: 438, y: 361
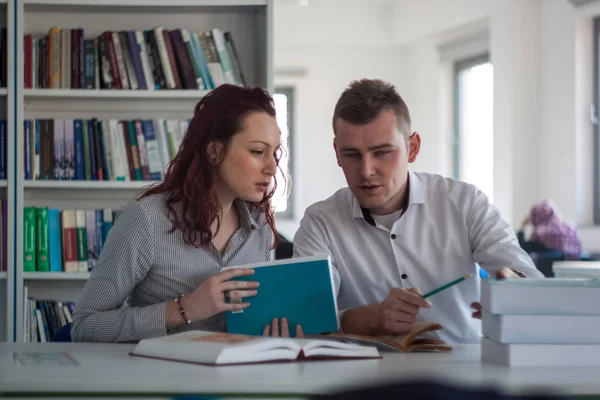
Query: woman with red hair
x: 160, y: 269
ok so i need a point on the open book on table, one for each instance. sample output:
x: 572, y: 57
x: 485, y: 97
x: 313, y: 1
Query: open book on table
x: 213, y: 348
x: 409, y: 342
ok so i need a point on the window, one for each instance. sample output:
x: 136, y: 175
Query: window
x: 474, y: 124
x: 595, y: 121
x: 284, y: 105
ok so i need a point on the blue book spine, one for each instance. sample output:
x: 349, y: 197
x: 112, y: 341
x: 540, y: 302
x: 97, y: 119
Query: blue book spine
x: 92, y: 141
x: 99, y: 225
x: 107, y: 224
x: 154, y: 161
x: 3, y: 149
x: 201, y: 60
x: 27, y: 138
x: 55, y: 239
x: 78, y: 133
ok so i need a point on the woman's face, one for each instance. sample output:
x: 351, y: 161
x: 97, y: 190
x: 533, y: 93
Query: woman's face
x: 250, y: 161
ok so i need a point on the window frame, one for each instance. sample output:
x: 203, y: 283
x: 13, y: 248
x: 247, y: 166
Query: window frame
x: 289, y: 92
x: 459, y: 66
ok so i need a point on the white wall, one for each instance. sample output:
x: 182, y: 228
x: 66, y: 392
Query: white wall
x: 541, y: 51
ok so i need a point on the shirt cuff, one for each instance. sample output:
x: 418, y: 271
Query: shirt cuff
x: 151, y: 321
x: 340, y: 316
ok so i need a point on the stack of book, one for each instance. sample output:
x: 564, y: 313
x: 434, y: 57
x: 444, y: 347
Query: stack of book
x: 541, y: 322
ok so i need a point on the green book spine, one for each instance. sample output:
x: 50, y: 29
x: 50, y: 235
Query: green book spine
x: 29, y: 239
x: 43, y: 240
x: 82, y: 256
x: 86, y: 153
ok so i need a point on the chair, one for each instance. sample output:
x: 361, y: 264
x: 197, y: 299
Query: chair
x: 63, y: 334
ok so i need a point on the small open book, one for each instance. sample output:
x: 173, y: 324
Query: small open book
x: 212, y: 348
x: 409, y: 342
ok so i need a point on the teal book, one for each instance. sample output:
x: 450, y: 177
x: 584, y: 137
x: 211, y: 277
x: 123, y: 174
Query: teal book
x: 299, y: 289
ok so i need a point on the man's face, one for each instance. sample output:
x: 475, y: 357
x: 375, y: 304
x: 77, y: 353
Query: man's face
x: 374, y: 158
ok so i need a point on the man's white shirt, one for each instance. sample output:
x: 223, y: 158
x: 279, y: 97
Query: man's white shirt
x: 447, y: 230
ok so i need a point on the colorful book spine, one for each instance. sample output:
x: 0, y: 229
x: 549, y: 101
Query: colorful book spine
x: 29, y: 242
x: 43, y: 240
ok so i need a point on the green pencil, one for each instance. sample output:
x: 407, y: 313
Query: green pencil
x: 446, y: 286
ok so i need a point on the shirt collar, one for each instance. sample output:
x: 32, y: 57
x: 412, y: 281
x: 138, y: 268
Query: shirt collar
x: 416, y: 195
x: 246, y: 218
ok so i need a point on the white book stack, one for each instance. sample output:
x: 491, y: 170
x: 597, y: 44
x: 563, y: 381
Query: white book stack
x: 541, y: 322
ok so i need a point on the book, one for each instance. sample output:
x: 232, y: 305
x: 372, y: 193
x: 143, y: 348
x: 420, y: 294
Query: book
x: 299, y: 289
x: 540, y: 329
x: 407, y: 343
x: 541, y: 296
x: 540, y: 355
x: 218, y: 349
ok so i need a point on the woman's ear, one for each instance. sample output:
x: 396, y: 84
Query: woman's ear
x: 215, y: 151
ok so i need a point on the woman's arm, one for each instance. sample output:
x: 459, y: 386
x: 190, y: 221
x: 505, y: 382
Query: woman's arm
x: 100, y: 314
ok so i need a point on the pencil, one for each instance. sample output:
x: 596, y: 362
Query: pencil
x: 446, y: 286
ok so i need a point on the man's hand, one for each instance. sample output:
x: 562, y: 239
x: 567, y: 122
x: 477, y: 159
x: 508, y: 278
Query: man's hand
x: 399, y: 310
x: 500, y: 274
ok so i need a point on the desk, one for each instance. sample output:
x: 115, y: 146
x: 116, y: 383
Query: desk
x: 107, y: 369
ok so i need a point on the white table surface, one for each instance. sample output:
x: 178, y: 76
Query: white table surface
x: 108, y: 369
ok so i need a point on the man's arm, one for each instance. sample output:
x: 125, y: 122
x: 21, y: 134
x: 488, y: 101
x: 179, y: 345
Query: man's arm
x: 493, y: 242
x: 311, y: 239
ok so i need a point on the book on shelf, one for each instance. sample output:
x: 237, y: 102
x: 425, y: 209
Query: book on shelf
x: 412, y: 341
x: 3, y: 58
x: 42, y: 319
x: 219, y: 349
x: 101, y: 150
x: 3, y: 149
x: 152, y: 59
x: 64, y: 240
x: 299, y: 289
x: 3, y: 234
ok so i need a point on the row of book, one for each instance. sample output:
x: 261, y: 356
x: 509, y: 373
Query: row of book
x: 3, y: 58
x: 64, y: 240
x: 44, y: 318
x: 3, y: 234
x: 101, y: 150
x: 152, y: 59
x: 541, y: 322
x: 3, y: 148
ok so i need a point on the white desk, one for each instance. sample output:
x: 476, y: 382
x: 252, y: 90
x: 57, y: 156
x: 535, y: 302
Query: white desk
x: 107, y: 369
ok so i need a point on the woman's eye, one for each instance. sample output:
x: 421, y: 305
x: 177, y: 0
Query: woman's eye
x: 257, y: 152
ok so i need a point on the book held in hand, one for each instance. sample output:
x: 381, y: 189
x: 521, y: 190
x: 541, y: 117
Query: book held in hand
x: 409, y: 342
x: 218, y: 349
x: 299, y: 289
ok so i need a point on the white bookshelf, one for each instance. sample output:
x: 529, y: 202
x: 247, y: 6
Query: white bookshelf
x: 55, y: 276
x: 112, y: 94
x: 250, y: 22
x: 7, y: 186
x: 83, y: 185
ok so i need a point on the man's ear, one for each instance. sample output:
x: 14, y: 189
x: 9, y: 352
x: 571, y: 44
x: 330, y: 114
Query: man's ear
x: 414, y: 145
x: 215, y: 150
x: 336, y: 153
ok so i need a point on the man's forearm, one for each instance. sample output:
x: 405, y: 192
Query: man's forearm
x: 362, y: 321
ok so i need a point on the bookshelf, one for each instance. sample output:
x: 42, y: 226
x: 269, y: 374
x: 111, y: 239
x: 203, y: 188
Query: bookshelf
x: 250, y: 24
x: 7, y: 186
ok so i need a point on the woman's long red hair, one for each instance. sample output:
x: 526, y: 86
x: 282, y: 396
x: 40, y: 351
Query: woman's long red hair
x: 189, y: 180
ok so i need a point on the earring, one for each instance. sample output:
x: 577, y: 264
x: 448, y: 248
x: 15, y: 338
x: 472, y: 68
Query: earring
x: 213, y: 160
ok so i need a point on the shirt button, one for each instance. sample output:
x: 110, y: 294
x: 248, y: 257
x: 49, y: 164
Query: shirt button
x: 404, y: 276
x: 393, y: 236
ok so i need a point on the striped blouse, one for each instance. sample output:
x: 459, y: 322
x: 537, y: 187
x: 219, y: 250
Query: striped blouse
x: 142, y: 266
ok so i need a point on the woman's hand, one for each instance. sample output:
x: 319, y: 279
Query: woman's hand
x: 210, y: 298
x: 275, y: 330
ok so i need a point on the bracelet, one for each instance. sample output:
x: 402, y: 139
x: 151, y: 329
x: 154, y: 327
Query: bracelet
x: 181, y: 310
